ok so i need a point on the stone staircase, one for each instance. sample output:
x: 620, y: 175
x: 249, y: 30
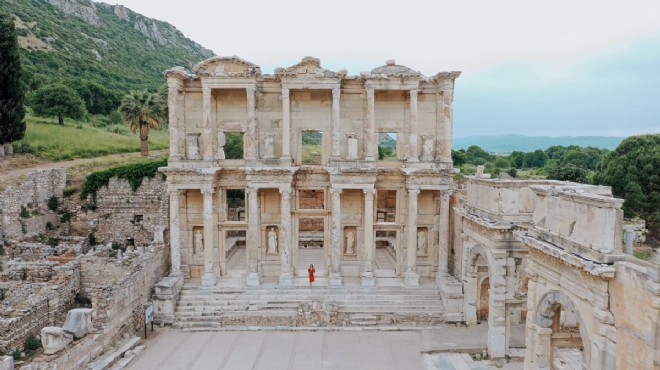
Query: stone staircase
x: 271, y: 306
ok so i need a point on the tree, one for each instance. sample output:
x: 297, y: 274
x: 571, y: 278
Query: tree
x: 58, y: 100
x: 567, y: 172
x: 516, y: 159
x: 12, y: 111
x: 142, y: 110
x: 633, y: 172
x: 98, y: 99
x: 535, y: 159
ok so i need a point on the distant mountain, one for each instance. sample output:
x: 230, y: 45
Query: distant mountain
x: 509, y: 143
x: 385, y: 140
x: 107, y: 44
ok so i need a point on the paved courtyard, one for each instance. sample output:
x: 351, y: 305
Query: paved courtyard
x: 169, y: 349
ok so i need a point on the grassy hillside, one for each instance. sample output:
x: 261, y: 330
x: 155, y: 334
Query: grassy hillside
x: 106, y: 44
x: 47, y: 139
x: 510, y: 143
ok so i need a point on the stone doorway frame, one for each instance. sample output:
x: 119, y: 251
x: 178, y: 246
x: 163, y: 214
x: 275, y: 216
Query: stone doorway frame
x: 295, y: 220
x: 398, y: 248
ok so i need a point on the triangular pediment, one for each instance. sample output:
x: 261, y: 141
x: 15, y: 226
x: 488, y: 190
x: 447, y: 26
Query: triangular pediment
x: 308, y: 67
x: 230, y: 66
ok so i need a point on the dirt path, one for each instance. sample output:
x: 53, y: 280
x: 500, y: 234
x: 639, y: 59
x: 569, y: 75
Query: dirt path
x: 15, y: 168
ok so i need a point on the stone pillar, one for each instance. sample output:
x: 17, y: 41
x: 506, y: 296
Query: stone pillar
x: 412, y: 143
x: 336, y: 124
x: 286, y: 125
x: 371, y: 126
x: 252, y: 247
x: 337, y: 238
x: 446, y: 122
x: 629, y: 238
x: 173, y: 91
x: 411, y: 276
x: 443, y: 237
x: 207, y: 137
x: 369, y: 246
x: 175, y: 236
x: 209, y: 278
x: 286, y: 276
x: 251, y: 134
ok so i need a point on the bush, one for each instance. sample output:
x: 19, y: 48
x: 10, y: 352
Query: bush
x: 512, y: 172
x: 66, y: 216
x: 53, y: 203
x: 53, y: 242
x: 32, y: 344
x: 83, y: 300
x: 90, y: 206
x: 70, y: 190
x: 16, y: 354
x: 91, y: 238
x: 49, y: 226
x: 134, y: 173
x: 24, y: 212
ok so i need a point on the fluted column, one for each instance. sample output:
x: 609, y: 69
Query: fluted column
x: 443, y: 235
x: 286, y: 125
x: 285, y: 238
x: 209, y: 279
x: 412, y: 143
x: 370, y: 132
x: 411, y: 276
x: 173, y: 91
x: 336, y: 242
x: 336, y: 149
x: 175, y: 233
x: 446, y: 115
x: 207, y: 116
x: 251, y: 133
x: 253, y: 239
x: 369, y: 246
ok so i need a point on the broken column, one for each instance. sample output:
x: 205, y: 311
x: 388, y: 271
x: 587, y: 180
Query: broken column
x: 54, y: 339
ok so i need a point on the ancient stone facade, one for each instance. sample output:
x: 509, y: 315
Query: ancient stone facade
x: 336, y: 199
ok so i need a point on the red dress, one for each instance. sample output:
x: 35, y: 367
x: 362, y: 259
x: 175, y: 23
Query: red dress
x: 311, y: 272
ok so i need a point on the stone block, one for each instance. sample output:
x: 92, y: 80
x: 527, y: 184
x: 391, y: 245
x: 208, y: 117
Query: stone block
x: 6, y: 363
x: 411, y: 279
x: 54, y: 339
x: 79, y: 322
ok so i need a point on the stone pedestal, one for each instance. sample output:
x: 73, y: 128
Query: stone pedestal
x: 411, y: 279
x: 335, y: 279
x: 451, y: 293
x: 209, y: 279
x: 79, y: 322
x: 286, y: 279
x: 368, y: 279
x: 166, y: 295
x: 252, y: 279
x: 54, y: 339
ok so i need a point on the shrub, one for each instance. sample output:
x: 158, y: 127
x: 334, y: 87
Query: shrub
x: 70, y: 190
x: 512, y: 172
x: 2, y: 250
x: 24, y: 212
x: 16, y: 354
x: 53, y: 203
x: 91, y: 238
x: 66, y: 216
x: 90, y: 206
x: 32, y: 344
x: 53, y: 242
x: 49, y: 226
x: 83, y: 300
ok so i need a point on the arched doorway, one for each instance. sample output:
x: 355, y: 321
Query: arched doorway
x: 482, y: 303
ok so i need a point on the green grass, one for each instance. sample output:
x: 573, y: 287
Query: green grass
x: 646, y: 255
x: 47, y: 139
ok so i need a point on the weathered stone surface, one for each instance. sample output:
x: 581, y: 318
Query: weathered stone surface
x: 79, y: 322
x: 54, y: 339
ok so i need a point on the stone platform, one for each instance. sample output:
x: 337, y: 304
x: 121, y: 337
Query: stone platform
x: 270, y: 305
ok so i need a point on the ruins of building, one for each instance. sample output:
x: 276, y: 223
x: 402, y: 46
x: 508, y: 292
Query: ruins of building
x: 313, y: 183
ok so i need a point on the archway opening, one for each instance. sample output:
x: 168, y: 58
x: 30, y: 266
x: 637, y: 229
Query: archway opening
x: 484, y: 292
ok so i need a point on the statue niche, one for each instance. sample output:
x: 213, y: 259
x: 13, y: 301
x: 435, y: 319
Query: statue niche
x: 271, y: 240
x: 422, y: 242
x: 269, y: 146
x: 352, y: 147
x: 192, y: 146
x: 198, y: 241
x: 427, y: 148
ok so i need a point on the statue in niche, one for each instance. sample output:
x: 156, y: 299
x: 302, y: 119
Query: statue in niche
x: 221, y: 145
x: 427, y: 147
x: 421, y: 242
x: 350, y: 242
x: 272, y: 241
x: 199, y: 241
x: 269, y: 146
x: 192, y: 142
x: 352, y: 147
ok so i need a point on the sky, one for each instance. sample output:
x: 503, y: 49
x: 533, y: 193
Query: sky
x: 530, y: 67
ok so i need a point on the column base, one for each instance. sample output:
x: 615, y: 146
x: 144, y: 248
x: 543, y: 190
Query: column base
x: 252, y: 279
x: 368, y: 279
x: 335, y: 279
x: 209, y: 279
x: 411, y: 279
x: 286, y: 279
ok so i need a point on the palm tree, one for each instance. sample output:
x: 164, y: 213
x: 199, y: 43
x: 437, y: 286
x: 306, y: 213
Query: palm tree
x: 142, y: 110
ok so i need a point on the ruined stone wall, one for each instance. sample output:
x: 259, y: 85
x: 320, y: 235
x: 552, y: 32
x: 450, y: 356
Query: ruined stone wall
x: 39, y: 186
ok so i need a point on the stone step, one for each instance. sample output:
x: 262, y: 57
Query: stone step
x: 105, y: 361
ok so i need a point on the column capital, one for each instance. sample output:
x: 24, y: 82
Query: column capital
x: 413, y: 93
x: 207, y: 191
x: 336, y: 91
x: 445, y: 195
x: 206, y: 90
x: 336, y: 191
x: 173, y: 191
x: 251, y: 89
x: 413, y: 192
x: 285, y: 92
x: 369, y: 192
x: 285, y: 191
x: 251, y: 190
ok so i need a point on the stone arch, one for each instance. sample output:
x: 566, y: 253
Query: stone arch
x: 545, y: 318
x: 475, y: 257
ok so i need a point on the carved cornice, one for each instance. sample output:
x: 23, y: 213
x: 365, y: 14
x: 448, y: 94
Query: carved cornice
x: 230, y: 66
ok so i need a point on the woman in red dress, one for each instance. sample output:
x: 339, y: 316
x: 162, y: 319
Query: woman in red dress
x: 310, y: 272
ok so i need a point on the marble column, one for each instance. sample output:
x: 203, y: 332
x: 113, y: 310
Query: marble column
x: 175, y: 233
x: 412, y: 143
x: 369, y: 246
x: 207, y: 116
x: 251, y: 134
x: 336, y: 124
x: 253, y: 238
x: 443, y: 236
x: 370, y: 132
x: 209, y: 278
x: 337, y: 238
x: 411, y: 276
x: 286, y: 254
x: 444, y: 106
x: 286, y: 125
x: 173, y: 91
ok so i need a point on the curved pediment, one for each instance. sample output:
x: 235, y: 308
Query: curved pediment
x: 309, y: 67
x: 231, y: 66
x: 391, y: 69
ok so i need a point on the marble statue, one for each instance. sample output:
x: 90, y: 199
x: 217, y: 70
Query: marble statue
x: 427, y: 147
x: 192, y: 143
x: 269, y: 146
x: 352, y: 147
x: 272, y: 241
x: 199, y: 241
x: 350, y: 242
x: 421, y: 242
x: 221, y: 145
